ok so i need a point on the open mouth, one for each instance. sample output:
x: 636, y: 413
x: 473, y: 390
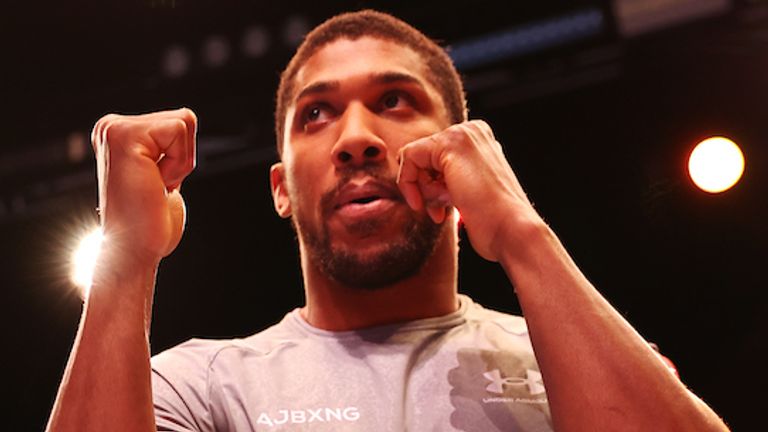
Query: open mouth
x: 365, y: 200
x: 360, y: 198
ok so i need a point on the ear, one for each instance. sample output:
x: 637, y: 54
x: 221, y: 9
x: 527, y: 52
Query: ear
x: 279, y: 190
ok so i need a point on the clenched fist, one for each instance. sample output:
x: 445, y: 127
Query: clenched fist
x: 141, y: 162
x: 465, y: 166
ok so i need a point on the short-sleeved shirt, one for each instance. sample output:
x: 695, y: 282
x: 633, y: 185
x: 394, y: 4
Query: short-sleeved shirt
x: 471, y: 370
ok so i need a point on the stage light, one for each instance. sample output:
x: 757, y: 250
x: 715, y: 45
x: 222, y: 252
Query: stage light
x: 175, y: 61
x: 77, y: 147
x: 216, y: 51
x: 256, y: 41
x: 294, y: 30
x: 83, y: 259
x: 716, y: 164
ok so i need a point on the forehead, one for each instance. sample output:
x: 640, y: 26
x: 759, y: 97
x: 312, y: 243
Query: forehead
x: 345, y: 58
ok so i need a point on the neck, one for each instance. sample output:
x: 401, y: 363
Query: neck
x: 431, y: 292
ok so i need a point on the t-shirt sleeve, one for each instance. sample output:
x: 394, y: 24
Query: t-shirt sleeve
x: 180, y: 388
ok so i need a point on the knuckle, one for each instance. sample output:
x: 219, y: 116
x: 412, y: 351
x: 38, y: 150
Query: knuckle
x: 479, y: 126
x: 458, y: 135
x: 456, y: 127
x: 107, y: 118
x: 98, y: 127
x: 113, y: 130
x: 108, y: 125
x: 480, y: 131
x: 179, y: 127
x: 408, y: 148
x: 188, y: 117
x: 456, y: 132
x: 485, y: 127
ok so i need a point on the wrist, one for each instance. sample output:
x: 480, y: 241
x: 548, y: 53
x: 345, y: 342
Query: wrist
x: 122, y: 286
x: 519, y: 236
x: 523, y: 244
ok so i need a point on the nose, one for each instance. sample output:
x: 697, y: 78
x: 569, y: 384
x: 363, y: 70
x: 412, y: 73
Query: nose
x: 358, y: 143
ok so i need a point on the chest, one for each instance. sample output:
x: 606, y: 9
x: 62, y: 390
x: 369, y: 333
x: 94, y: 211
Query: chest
x: 436, y: 386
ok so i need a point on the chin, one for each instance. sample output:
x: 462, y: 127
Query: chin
x: 371, y: 255
x: 377, y: 265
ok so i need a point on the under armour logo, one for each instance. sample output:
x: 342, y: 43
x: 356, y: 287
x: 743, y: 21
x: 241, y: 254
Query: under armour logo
x: 532, y: 380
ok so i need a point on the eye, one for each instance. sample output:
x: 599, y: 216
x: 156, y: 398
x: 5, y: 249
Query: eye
x: 315, y: 115
x: 395, y: 100
x: 391, y: 100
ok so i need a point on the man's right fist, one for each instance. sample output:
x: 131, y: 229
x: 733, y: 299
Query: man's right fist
x: 141, y: 162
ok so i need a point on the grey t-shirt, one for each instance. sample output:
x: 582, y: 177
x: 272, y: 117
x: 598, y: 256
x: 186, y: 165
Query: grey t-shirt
x: 471, y: 370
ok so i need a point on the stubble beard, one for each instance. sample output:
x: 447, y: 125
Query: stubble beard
x: 397, y: 260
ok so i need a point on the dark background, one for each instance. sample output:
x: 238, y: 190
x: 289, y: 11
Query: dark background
x: 598, y: 128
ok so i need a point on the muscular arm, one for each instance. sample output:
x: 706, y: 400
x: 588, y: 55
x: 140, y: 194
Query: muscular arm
x: 106, y: 384
x: 599, y: 372
x: 141, y: 162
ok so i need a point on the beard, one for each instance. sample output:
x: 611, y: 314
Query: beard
x: 394, y: 261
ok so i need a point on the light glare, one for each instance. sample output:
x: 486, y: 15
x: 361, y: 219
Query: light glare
x: 716, y: 164
x: 84, y: 259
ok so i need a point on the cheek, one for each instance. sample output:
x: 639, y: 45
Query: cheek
x: 305, y: 188
x: 397, y: 137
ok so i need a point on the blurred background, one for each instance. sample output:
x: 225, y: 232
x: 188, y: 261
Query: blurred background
x: 597, y: 103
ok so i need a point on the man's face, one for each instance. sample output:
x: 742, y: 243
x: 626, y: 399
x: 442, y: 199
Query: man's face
x: 356, y: 104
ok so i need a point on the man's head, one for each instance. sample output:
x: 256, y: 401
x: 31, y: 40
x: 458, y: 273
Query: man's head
x: 360, y: 88
x: 354, y: 25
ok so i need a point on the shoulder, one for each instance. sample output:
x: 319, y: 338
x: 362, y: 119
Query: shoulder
x: 479, y: 315
x: 194, y: 353
x: 196, y: 357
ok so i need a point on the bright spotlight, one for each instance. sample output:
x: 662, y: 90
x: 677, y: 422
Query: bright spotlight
x: 84, y: 259
x: 716, y: 164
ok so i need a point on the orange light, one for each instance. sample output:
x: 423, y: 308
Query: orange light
x: 716, y: 164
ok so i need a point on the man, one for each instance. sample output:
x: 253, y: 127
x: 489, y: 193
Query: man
x: 375, y: 153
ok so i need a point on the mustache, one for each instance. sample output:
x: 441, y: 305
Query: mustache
x: 375, y: 173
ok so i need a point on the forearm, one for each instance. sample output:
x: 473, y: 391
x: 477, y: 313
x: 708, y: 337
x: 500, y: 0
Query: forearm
x: 598, y: 370
x: 106, y: 384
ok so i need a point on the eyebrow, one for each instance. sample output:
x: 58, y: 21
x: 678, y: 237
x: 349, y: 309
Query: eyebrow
x: 375, y: 78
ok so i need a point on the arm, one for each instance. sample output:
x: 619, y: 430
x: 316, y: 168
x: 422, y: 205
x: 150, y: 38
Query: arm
x: 598, y: 370
x: 141, y: 161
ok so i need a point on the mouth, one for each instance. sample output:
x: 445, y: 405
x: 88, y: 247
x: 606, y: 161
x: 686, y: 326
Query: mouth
x: 363, y: 200
x: 364, y: 194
